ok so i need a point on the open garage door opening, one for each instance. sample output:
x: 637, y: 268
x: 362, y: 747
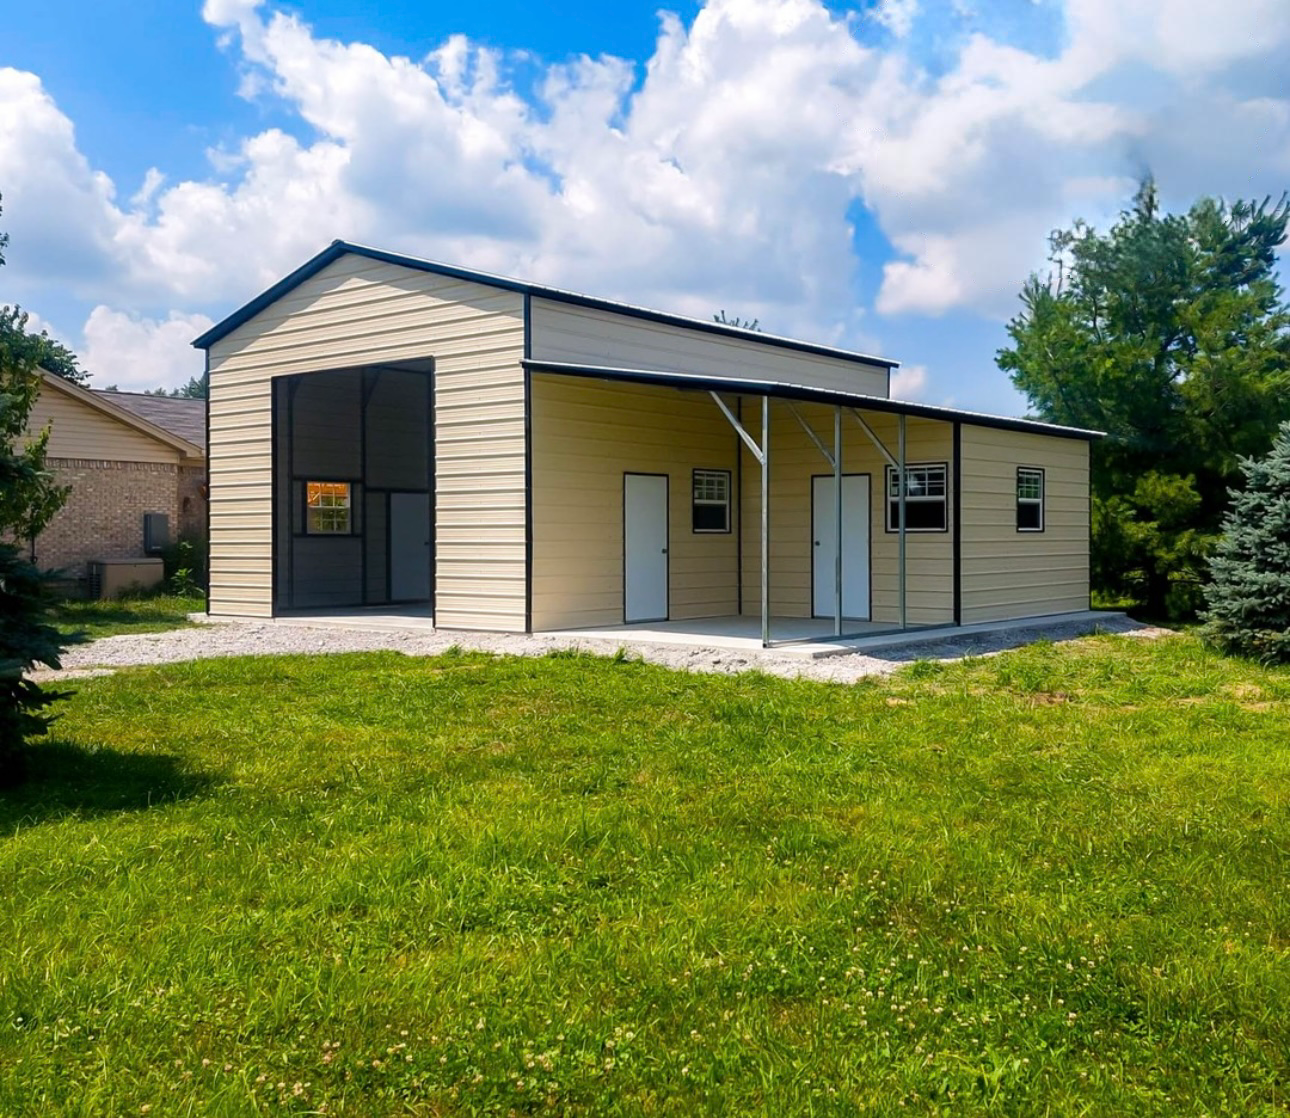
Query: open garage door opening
x: 354, y: 489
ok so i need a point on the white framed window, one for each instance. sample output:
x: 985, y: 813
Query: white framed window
x: 711, y: 501
x: 926, y: 490
x: 328, y: 506
x: 1030, y: 499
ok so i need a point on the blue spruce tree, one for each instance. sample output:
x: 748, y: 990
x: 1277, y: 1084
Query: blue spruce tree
x: 1249, y: 596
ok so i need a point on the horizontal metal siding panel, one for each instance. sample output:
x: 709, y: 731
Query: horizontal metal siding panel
x: 586, y: 435
x: 481, y: 498
x: 794, y: 460
x: 599, y: 337
x: 240, y: 504
x: 360, y: 312
x: 1008, y: 574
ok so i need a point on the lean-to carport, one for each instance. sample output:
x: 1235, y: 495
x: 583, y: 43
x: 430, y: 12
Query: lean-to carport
x: 766, y: 447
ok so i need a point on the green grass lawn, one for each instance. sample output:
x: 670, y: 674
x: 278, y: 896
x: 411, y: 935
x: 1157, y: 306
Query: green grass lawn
x: 112, y: 617
x: 1052, y: 882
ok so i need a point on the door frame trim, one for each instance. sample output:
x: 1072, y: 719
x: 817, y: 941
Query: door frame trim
x: 667, y: 566
x: 868, y: 537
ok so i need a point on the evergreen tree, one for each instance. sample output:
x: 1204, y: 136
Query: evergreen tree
x: 28, y: 499
x: 1170, y: 333
x: 1249, y: 598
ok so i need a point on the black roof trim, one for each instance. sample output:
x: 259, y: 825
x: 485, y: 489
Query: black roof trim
x: 338, y: 249
x: 813, y: 395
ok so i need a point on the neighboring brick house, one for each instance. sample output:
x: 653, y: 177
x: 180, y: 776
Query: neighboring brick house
x: 124, y: 455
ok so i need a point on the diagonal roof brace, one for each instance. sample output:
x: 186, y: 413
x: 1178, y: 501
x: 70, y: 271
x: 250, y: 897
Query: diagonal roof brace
x: 749, y: 441
x: 873, y: 436
x: 828, y: 454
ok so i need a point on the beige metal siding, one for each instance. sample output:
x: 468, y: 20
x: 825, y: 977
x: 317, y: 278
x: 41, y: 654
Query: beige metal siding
x: 362, y: 312
x: 81, y: 431
x: 582, y: 335
x: 1006, y: 573
x: 586, y: 435
x: 794, y: 460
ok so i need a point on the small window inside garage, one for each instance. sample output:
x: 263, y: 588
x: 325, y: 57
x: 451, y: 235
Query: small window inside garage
x: 328, y: 507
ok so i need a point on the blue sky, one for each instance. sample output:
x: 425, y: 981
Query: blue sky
x: 878, y: 175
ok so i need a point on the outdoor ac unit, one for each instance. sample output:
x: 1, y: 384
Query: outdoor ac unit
x: 110, y: 578
x: 156, y: 532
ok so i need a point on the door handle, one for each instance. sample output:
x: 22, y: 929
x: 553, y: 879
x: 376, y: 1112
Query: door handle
x: 663, y: 552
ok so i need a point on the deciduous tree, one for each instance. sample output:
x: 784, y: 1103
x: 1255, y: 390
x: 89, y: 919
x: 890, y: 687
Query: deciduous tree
x: 1170, y: 333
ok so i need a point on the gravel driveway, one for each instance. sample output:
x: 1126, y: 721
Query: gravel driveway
x: 249, y: 638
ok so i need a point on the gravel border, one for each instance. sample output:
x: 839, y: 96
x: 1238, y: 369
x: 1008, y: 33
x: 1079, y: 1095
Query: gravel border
x: 254, y: 638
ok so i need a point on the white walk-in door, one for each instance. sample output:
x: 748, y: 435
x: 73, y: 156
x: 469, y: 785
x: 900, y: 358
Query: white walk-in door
x: 409, y: 547
x: 645, y: 547
x: 855, y: 545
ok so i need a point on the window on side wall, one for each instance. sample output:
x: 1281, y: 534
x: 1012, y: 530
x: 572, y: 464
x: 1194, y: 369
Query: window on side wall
x: 925, y: 498
x: 328, y: 508
x: 711, y: 503
x: 1030, y: 499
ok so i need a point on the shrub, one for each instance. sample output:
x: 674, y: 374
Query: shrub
x: 26, y: 639
x: 1249, y: 597
x: 185, y: 565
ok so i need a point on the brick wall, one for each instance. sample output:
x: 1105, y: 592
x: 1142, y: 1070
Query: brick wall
x: 103, y: 517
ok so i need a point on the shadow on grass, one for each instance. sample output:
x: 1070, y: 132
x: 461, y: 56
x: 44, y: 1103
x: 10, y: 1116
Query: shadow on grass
x: 79, y: 624
x: 65, y: 780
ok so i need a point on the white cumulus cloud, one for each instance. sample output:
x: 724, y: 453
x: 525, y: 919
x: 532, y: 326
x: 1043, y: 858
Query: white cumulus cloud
x: 909, y: 382
x: 137, y: 353
x: 724, y: 172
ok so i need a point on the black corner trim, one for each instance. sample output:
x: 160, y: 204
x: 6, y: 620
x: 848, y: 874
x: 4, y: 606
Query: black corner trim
x: 528, y: 465
x: 957, y: 513
x: 207, y: 375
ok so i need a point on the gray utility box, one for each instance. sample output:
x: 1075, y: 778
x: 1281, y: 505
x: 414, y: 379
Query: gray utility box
x: 110, y: 578
x: 156, y: 532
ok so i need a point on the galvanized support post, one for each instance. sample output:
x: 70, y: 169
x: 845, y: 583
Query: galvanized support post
x: 903, y: 485
x: 837, y: 521
x: 765, y: 522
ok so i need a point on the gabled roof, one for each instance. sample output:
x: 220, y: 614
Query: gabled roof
x: 337, y: 249
x: 807, y: 394
x: 182, y: 416
x: 103, y: 402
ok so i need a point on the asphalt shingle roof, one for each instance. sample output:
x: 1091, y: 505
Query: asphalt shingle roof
x: 180, y: 416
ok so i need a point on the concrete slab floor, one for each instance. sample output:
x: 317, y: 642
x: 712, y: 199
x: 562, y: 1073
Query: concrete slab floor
x: 793, y: 637
x: 385, y: 619
x: 812, y: 638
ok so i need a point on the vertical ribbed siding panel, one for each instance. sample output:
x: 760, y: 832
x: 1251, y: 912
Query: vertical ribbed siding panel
x: 360, y: 312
